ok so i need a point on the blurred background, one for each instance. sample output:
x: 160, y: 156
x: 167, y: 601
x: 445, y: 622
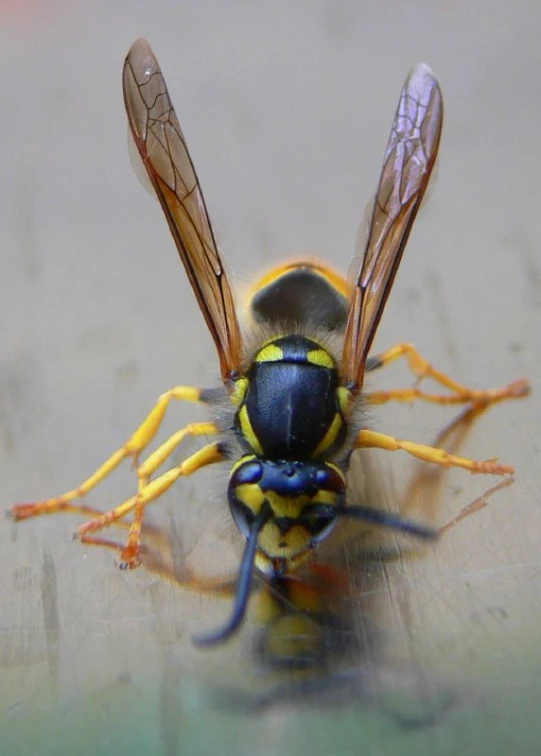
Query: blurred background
x: 286, y: 108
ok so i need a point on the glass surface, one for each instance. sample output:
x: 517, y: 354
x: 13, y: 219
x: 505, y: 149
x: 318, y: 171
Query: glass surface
x: 286, y: 111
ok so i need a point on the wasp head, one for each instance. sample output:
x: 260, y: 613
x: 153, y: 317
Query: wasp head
x: 295, y: 503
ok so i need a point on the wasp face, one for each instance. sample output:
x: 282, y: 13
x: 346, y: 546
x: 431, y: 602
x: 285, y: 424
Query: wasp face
x: 300, y: 498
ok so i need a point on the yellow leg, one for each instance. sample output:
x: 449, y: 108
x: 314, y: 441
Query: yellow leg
x: 132, y: 448
x: 422, y: 370
x: 130, y: 554
x: 129, y: 557
x: 208, y: 455
x: 367, y: 438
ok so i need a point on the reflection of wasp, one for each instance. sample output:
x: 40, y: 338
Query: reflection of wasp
x: 330, y: 634
x: 289, y: 414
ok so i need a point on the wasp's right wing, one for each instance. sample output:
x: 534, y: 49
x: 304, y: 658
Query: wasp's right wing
x: 162, y: 147
x: 409, y: 159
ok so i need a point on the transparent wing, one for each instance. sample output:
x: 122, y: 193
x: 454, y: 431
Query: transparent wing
x: 409, y: 158
x: 163, y: 151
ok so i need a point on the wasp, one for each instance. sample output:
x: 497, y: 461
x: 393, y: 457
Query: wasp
x: 289, y: 412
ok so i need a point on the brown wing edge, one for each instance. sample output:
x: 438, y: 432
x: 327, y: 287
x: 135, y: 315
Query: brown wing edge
x: 165, y: 156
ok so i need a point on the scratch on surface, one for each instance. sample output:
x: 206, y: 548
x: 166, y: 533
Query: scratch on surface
x: 442, y: 313
x: 49, y: 597
x: 503, y: 568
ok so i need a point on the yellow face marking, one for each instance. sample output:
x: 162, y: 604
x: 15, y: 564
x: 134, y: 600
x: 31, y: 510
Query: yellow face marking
x: 265, y: 563
x: 282, y: 506
x: 252, y: 496
x: 272, y: 542
x: 330, y: 437
x: 270, y: 353
x: 248, y: 431
x: 325, y: 497
x: 283, y: 545
x: 320, y: 357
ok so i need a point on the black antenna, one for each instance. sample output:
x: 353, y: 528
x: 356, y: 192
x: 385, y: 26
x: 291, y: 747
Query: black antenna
x: 384, y: 519
x: 244, y: 583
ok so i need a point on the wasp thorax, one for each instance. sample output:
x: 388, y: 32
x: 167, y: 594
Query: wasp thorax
x: 290, y: 403
x: 300, y: 496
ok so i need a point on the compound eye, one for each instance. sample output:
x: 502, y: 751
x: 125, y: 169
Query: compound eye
x: 244, y: 494
x: 248, y: 472
x: 330, y: 479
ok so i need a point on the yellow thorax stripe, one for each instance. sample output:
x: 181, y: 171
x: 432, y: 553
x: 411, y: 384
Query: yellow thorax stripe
x: 330, y: 437
x: 269, y: 353
x: 320, y: 357
x: 248, y: 431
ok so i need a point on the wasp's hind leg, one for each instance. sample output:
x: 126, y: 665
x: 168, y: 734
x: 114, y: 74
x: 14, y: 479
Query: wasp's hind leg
x: 422, y: 370
x: 132, y: 448
x: 149, y: 490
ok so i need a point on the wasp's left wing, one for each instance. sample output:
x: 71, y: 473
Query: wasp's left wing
x: 411, y: 152
x: 162, y: 147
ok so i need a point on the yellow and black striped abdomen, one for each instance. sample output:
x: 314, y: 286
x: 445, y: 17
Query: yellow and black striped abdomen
x: 290, y: 409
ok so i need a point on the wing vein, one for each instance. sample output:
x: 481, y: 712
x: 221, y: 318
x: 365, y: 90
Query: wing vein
x: 165, y: 156
x: 409, y: 158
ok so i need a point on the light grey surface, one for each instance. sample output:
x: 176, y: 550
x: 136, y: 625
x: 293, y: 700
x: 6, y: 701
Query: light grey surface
x: 286, y: 108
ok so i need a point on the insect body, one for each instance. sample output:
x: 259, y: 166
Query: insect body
x: 291, y: 419
x: 287, y: 417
